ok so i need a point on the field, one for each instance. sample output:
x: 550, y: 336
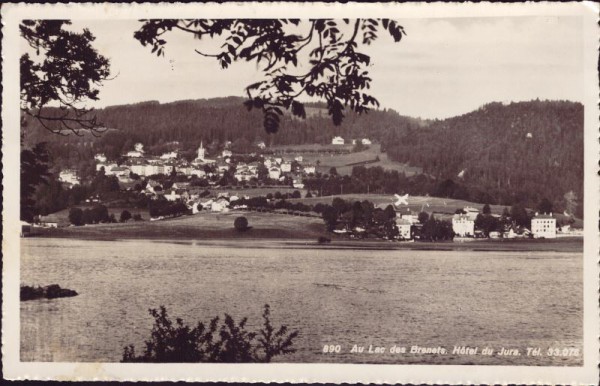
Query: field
x: 344, y: 162
x: 205, y: 225
x: 415, y: 203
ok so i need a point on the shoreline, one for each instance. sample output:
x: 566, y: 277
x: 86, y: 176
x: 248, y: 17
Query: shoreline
x: 563, y: 244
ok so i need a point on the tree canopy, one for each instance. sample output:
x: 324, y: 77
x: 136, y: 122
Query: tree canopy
x: 336, y: 68
x: 63, y: 69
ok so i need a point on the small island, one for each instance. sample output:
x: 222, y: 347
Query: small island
x: 51, y: 291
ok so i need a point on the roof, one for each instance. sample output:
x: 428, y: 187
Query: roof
x: 543, y: 216
x: 461, y: 217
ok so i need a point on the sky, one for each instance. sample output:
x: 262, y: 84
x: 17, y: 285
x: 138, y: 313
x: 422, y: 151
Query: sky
x: 444, y: 67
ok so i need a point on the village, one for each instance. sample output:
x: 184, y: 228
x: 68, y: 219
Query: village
x: 254, y: 182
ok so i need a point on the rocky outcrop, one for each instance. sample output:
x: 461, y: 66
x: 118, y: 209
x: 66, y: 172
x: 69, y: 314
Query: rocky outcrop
x: 52, y: 291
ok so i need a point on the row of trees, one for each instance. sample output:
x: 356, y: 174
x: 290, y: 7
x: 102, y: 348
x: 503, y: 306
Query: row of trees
x: 163, y: 208
x: 99, y: 214
x: 95, y: 215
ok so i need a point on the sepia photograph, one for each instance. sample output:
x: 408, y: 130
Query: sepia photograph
x: 395, y: 187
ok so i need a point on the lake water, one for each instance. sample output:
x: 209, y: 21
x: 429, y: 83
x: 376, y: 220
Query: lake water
x: 511, y: 300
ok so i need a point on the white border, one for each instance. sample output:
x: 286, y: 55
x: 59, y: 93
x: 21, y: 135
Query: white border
x: 13, y: 369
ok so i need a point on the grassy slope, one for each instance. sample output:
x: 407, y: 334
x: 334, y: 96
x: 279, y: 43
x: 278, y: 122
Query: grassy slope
x: 341, y: 161
x: 203, y: 226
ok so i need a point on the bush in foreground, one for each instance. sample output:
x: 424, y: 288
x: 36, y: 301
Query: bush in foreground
x: 176, y: 342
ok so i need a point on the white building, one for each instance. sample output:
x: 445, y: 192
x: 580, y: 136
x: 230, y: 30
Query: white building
x: 139, y: 169
x: 226, y: 153
x: 411, y: 217
x: 134, y: 154
x: 463, y: 226
x: 169, y: 155
x: 286, y: 167
x: 198, y: 172
x: 298, y: 183
x: 100, y: 157
x: 364, y: 141
x: 201, y: 158
x: 172, y: 195
x: 274, y: 173
x: 69, y: 176
x: 106, y: 167
x: 337, y: 141
x: 137, y: 152
x: 243, y: 175
x: 404, y: 228
x: 309, y: 169
x: 201, y: 153
x: 543, y: 226
x: 119, y: 171
x: 220, y: 205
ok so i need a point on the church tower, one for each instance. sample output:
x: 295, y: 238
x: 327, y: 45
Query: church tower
x: 201, y: 152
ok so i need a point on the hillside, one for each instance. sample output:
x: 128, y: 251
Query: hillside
x: 500, y: 153
x: 224, y: 119
x: 515, y: 152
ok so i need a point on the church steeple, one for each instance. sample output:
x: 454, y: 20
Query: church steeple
x: 201, y: 152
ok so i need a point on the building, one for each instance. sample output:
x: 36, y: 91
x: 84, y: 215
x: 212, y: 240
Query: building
x: 100, y: 157
x: 463, y: 225
x: 411, y: 217
x: 106, y: 167
x: 286, y: 167
x: 119, y: 171
x: 69, y: 176
x: 261, y: 145
x: 543, y: 226
x: 337, y: 141
x: 173, y: 195
x: 169, y: 155
x: 198, y: 172
x: 309, y: 169
x: 274, y: 173
x: 220, y: 205
x: 364, y: 141
x: 298, y: 183
x: 226, y: 153
x: 201, y: 157
x: 403, y: 228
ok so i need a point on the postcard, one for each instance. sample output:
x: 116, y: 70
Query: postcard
x: 291, y: 192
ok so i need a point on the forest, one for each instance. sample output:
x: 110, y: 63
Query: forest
x: 500, y: 153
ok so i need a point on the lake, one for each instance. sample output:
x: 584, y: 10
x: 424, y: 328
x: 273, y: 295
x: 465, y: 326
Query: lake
x: 401, y: 298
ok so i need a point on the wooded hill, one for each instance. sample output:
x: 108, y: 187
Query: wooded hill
x: 518, y: 152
